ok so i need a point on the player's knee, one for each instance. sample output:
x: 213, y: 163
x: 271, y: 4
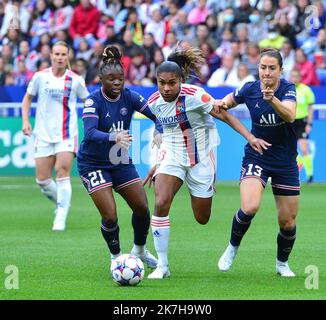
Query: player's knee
x: 162, y: 205
x: 202, y: 219
x: 250, y: 208
x: 286, y: 223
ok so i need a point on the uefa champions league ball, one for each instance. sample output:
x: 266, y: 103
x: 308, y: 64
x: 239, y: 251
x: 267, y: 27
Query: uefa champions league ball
x: 127, y: 270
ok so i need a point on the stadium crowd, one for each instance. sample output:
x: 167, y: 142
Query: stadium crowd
x: 230, y: 34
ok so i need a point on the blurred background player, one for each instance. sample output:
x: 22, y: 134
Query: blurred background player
x: 272, y: 105
x: 303, y: 122
x: 186, y: 154
x: 103, y: 160
x: 56, y: 128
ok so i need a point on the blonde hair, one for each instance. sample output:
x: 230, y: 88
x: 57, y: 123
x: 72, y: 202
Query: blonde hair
x: 63, y: 44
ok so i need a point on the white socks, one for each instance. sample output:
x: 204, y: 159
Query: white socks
x: 161, y: 235
x: 63, y: 196
x: 49, y: 189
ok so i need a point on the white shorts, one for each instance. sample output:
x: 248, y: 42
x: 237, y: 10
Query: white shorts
x: 45, y: 149
x: 200, y: 179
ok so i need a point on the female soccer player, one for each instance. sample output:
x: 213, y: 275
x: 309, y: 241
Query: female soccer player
x: 56, y: 128
x: 185, y: 112
x: 272, y: 105
x: 103, y: 160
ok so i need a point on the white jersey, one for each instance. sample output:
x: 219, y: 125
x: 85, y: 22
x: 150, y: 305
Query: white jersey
x: 189, y: 131
x: 56, y: 114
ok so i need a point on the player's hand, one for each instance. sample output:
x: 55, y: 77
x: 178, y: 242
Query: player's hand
x: 157, y: 140
x: 308, y: 129
x: 123, y: 139
x: 149, y: 177
x: 268, y: 94
x: 219, y: 104
x: 27, y: 129
x: 259, y: 145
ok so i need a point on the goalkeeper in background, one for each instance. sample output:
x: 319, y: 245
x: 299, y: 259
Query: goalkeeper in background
x: 303, y: 122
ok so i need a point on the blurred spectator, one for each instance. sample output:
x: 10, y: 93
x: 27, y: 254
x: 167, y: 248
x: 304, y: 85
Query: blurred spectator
x: 3, y: 72
x: 109, y: 8
x: 41, y: 22
x: 182, y: 28
x: 120, y: 18
x: 319, y: 52
x: 226, y: 75
x: 287, y: 30
x: 243, y: 75
x: 42, y: 64
x: 302, y: 15
x: 62, y: 15
x: 149, y: 47
x: 226, y: 19
x: 257, y: 28
x: 172, y: 16
x: 138, y: 71
x: 143, y: 11
x: 80, y: 67
x: 22, y: 75
x: 84, y: 51
x: 156, y: 25
x: 202, y: 35
x: 12, y: 38
x: 274, y: 39
x: 61, y: 35
x: 135, y: 26
x: 242, y: 37
x: 84, y: 23
x: 268, y: 10
x: 307, y: 68
x: 242, y: 12
x: 213, y: 61
x: 109, y: 35
x: 252, y: 58
x: 212, y: 25
x: 128, y: 43
x: 224, y: 48
x: 30, y: 57
x: 7, y: 56
x: 158, y: 58
x: 288, y: 55
x: 199, y: 13
x: 171, y: 44
x: 287, y: 8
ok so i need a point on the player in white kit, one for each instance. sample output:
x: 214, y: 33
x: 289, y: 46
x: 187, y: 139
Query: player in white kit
x: 189, y: 136
x: 56, y: 128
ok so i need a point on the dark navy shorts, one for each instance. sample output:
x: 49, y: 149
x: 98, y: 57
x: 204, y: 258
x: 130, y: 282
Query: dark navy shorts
x: 285, y: 180
x: 300, y: 128
x: 117, y: 177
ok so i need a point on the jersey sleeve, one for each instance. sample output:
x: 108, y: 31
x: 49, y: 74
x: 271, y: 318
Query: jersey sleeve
x: 90, y: 121
x: 33, y: 85
x: 202, y: 100
x: 239, y: 94
x: 82, y: 91
x: 140, y: 104
x: 289, y: 93
x: 310, y: 96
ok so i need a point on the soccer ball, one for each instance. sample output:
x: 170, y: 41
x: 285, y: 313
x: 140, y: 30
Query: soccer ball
x: 127, y: 270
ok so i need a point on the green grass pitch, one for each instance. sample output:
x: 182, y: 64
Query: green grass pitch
x: 74, y: 264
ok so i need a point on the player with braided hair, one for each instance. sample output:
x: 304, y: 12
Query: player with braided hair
x: 103, y: 160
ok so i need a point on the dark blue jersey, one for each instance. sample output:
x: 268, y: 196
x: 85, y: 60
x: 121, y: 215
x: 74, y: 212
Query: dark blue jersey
x: 101, y: 117
x: 268, y: 125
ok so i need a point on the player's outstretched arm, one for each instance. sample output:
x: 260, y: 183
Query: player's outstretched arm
x: 26, y: 107
x: 259, y: 145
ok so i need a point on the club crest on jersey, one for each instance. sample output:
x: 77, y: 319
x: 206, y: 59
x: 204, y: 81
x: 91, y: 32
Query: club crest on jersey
x: 180, y: 106
x: 205, y: 98
x: 88, y: 102
x: 123, y: 111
